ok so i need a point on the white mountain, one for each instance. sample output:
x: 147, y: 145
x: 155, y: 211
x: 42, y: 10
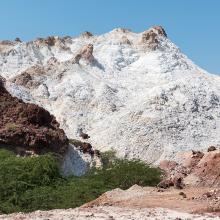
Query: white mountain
x: 135, y: 93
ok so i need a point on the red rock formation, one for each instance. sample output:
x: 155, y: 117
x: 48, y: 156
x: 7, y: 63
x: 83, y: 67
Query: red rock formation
x: 28, y: 126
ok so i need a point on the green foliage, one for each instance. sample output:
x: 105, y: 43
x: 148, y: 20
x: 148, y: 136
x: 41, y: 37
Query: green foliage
x: 28, y: 184
x: 124, y: 173
x: 108, y: 158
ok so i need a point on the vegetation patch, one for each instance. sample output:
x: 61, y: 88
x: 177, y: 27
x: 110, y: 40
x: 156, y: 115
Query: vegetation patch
x: 33, y: 183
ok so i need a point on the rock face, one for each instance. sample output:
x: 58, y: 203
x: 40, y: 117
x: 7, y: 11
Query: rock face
x: 143, y: 103
x: 28, y: 126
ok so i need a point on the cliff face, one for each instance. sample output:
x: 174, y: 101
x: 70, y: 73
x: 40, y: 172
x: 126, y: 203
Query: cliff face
x: 28, y: 126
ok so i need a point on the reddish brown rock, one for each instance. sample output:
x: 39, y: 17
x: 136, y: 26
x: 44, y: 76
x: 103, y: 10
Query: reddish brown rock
x: 26, y: 78
x: 86, y: 148
x: 49, y: 41
x: 168, y: 165
x: 86, y: 52
x: 87, y: 34
x: 165, y: 184
x: 150, y: 37
x: 208, y: 169
x: 83, y: 135
x: 211, y: 148
x: 178, y: 182
x: 28, y: 126
x: 195, y: 169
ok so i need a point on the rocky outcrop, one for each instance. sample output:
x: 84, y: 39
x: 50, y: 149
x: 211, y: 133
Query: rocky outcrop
x: 52, y: 61
x: 87, y: 34
x: 17, y: 39
x: 150, y: 37
x: 85, y: 53
x: 84, y: 147
x: 28, y: 126
x: 125, y: 40
x: 26, y: 78
x: 6, y: 46
x: 53, y: 41
x: 50, y: 41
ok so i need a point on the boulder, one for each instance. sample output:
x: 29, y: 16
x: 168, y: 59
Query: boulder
x: 165, y: 184
x: 211, y: 148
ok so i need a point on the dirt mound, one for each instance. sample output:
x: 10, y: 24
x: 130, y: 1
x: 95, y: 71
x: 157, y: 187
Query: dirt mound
x: 28, y: 126
x: 199, y: 200
x: 196, y: 169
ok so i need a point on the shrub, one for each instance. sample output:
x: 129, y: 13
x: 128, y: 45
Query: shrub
x: 33, y: 183
x: 124, y: 173
x: 108, y: 158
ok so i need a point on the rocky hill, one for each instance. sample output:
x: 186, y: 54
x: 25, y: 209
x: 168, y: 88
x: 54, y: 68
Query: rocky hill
x: 135, y: 93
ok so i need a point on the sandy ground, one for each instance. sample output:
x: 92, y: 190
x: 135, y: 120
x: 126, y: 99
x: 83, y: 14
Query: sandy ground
x: 139, y: 203
x: 107, y: 213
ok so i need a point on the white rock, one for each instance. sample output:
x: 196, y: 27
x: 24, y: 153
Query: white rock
x: 144, y: 104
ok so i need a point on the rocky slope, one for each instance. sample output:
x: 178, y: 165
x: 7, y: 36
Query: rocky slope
x: 28, y: 127
x: 132, y: 92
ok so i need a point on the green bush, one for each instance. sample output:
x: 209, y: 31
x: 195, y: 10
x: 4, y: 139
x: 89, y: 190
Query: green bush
x: 108, y: 158
x: 32, y: 183
x: 124, y: 173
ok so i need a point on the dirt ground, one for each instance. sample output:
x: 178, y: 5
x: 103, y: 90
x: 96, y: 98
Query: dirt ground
x: 139, y: 203
x: 196, y: 200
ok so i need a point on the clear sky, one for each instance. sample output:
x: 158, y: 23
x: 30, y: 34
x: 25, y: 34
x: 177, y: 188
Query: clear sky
x: 194, y: 25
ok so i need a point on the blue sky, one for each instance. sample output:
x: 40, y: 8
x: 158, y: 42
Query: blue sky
x: 194, y: 25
